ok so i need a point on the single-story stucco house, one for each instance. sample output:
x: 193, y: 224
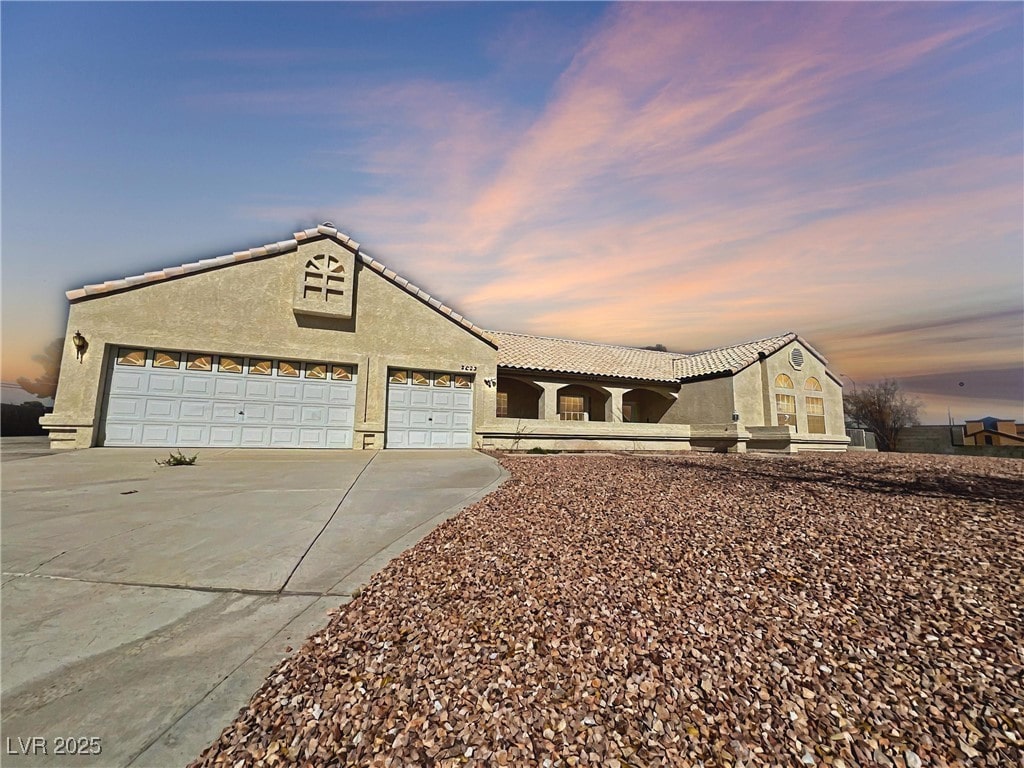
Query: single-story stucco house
x: 311, y: 343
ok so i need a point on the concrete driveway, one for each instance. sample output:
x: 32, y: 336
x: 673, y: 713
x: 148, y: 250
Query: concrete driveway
x: 143, y: 605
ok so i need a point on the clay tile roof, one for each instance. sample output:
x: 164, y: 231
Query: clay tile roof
x: 274, y: 249
x: 728, y: 360
x: 542, y: 353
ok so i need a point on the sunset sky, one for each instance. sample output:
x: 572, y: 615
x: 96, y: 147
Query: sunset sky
x: 687, y: 174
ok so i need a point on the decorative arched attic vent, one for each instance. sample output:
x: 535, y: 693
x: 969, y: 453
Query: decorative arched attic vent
x: 796, y: 358
x: 325, y: 283
x: 324, y: 278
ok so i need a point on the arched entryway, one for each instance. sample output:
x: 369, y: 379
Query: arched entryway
x: 517, y: 399
x: 640, y: 406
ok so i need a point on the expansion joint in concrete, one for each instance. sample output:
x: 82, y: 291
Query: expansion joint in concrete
x: 180, y: 587
x: 320, y: 533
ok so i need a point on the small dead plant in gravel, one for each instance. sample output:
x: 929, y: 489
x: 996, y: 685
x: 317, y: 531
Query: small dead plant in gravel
x: 178, y: 459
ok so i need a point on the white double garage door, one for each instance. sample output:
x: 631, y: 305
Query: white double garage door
x: 179, y: 399
x: 158, y: 398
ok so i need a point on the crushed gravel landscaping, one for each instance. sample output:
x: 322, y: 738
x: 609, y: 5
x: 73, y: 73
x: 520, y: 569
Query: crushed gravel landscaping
x: 704, y: 610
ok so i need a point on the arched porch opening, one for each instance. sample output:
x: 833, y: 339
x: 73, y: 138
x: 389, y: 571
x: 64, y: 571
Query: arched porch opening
x: 644, y: 406
x: 517, y: 399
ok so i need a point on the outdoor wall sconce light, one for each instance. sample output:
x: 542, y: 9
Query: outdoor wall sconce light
x: 80, y: 345
x: 735, y: 416
x: 490, y: 382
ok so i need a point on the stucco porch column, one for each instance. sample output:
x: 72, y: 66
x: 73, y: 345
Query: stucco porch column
x: 547, y: 405
x: 613, y: 407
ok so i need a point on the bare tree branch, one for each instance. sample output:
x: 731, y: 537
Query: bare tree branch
x: 884, y: 409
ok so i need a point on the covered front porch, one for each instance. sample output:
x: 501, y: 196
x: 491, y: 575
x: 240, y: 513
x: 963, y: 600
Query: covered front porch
x: 553, y: 399
x: 572, y: 413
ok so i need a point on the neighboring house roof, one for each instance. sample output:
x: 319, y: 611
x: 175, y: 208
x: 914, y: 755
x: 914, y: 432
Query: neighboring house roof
x: 542, y: 353
x: 276, y: 249
x: 990, y: 424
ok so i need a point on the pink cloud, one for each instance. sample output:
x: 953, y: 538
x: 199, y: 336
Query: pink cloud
x: 658, y: 194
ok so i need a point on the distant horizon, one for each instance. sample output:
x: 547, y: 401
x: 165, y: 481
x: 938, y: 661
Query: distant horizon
x: 686, y: 174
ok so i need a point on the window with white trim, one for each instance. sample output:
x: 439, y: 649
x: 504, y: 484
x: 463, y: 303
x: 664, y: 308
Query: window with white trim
x: 815, y: 415
x: 572, y: 408
x: 785, y: 410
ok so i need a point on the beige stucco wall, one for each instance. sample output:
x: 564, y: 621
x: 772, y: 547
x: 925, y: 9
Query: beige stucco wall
x: 751, y: 401
x: 749, y: 388
x: 702, y: 402
x: 246, y: 309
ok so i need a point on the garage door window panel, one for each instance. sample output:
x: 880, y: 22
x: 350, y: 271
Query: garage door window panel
x: 199, y: 363
x: 167, y: 360
x: 398, y: 377
x: 135, y: 358
x: 229, y: 365
x: 316, y: 371
x: 261, y: 367
x: 420, y: 379
x: 341, y: 373
x: 288, y: 369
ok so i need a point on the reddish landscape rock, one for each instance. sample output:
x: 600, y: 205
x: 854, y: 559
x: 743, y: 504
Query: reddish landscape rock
x: 851, y: 610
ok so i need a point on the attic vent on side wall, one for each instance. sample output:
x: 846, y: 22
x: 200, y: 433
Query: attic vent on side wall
x: 325, y: 285
x: 796, y: 358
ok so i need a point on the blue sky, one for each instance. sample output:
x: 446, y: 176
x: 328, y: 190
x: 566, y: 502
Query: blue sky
x: 686, y: 174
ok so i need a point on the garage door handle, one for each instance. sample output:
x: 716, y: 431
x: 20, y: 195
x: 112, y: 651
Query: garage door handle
x: 430, y: 418
x: 241, y: 413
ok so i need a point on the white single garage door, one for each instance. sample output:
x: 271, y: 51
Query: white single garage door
x: 429, y: 409
x: 192, y: 399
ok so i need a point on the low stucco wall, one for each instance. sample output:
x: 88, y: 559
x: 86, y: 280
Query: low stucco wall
x: 788, y: 440
x: 720, y: 438
x: 524, y: 434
